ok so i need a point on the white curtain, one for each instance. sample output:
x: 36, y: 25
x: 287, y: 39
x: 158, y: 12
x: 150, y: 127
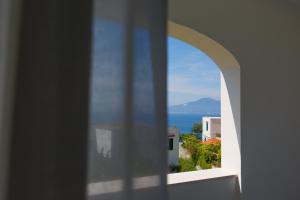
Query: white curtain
x: 128, y: 138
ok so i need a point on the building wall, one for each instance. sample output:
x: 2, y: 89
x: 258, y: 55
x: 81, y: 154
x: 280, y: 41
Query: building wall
x: 205, y: 128
x: 263, y: 35
x: 211, y: 127
x: 215, y: 127
x: 173, y: 155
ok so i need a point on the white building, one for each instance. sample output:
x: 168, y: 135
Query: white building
x: 211, y: 127
x: 173, y: 146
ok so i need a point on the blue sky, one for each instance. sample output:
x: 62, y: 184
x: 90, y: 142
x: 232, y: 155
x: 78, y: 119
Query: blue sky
x: 191, y: 74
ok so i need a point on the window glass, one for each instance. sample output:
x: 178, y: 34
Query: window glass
x: 171, y: 144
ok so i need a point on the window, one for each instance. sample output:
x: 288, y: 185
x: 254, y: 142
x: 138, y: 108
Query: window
x: 206, y: 126
x: 229, y: 95
x: 171, y: 140
x: 193, y: 100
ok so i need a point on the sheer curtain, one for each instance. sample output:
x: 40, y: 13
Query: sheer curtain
x: 127, y: 137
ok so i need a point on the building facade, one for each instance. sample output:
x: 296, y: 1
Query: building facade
x: 211, y: 128
x: 173, y: 146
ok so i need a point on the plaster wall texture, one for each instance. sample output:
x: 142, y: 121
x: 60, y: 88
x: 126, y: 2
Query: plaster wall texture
x: 264, y: 38
x: 206, y: 189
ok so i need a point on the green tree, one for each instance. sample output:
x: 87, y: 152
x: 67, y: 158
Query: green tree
x: 210, y: 155
x: 197, y: 128
x: 203, y: 163
x: 202, y: 154
x: 187, y: 165
x: 193, y: 145
x: 190, y: 143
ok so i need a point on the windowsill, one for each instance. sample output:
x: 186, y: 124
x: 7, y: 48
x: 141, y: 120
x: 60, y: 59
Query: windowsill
x: 199, y: 175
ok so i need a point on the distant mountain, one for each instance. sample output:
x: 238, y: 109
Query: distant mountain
x: 204, y: 106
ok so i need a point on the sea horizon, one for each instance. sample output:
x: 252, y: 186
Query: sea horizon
x: 184, y: 121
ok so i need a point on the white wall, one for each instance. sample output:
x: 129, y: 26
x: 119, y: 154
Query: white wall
x: 211, y: 126
x: 215, y: 126
x: 205, y: 132
x: 226, y: 188
x: 263, y: 35
x: 230, y: 126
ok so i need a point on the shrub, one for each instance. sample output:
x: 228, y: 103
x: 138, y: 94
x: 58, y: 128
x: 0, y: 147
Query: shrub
x: 187, y: 165
x: 210, y: 155
x: 190, y: 142
x: 197, y: 128
x: 174, y: 168
x: 204, y: 164
x: 204, y: 155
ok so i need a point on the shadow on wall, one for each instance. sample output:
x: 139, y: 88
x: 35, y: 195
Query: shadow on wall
x: 217, y: 189
x: 232, y: 82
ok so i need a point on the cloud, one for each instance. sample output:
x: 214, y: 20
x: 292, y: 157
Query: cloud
x: 183, y: 85
x: 191, y: 74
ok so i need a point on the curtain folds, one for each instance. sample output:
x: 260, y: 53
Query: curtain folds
x: 45, y: 59
x: 127, y: 137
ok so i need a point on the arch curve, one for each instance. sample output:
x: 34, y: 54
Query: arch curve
x: 220, y: 55
x: 230, y: 92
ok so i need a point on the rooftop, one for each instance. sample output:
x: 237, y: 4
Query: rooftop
x: 212, y: 141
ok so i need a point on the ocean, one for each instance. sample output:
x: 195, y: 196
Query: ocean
x: 185, y: 122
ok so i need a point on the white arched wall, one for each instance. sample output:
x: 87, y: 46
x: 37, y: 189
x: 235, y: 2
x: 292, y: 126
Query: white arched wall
x: 230, y: 92
x: 264, y: 37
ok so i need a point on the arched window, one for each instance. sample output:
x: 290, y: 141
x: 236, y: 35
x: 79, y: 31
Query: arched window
x: 230, y: 93
x: 194, y: 109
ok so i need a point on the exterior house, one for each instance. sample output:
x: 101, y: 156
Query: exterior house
x: 173, y: 146
x: 211, y: 128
